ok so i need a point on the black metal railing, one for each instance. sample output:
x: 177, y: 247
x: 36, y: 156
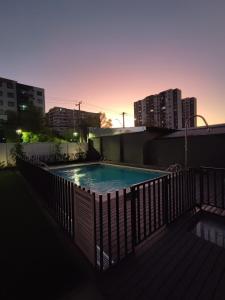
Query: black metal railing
x: 161, y: 201
x: 113, y: 228
x: 126, y: 219
x: 212, y: 186
x: 57, y: 193
x: 122, y: 219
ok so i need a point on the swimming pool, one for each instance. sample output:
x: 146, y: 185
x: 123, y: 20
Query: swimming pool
x: 104, y: 178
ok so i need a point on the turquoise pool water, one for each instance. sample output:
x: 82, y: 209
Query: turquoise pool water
x: 105, y: 178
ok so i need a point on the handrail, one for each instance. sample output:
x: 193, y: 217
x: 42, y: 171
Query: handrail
x: 212, y: 168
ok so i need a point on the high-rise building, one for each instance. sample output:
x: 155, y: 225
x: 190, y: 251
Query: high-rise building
x: 62, y: 119
x: 160, y: 110
x: 189, y: 108
x: 15, y: 96
x: 165, y: 110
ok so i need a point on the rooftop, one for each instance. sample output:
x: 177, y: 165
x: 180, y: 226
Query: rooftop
x: 201, y: 130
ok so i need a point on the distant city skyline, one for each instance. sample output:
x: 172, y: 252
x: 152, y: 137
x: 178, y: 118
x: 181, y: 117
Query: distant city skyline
x: 109, y: 55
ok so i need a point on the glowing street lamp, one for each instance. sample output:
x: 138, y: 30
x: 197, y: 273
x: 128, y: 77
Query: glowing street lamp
x: 19, y: 131
x: 75, y: 133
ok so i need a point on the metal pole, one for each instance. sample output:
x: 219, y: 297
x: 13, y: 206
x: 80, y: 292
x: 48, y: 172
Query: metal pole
x: 79, y: 129
x: 186, y: 136
x: 123, y: 114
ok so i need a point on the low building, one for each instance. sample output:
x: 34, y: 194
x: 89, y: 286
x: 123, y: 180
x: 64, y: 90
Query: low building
x: 98, y: 132
x: 61, y: 119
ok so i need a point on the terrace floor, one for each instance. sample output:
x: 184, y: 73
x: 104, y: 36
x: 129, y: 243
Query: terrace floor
x: 178, y: 266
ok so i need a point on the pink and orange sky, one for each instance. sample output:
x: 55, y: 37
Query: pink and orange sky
x: 108, y: 54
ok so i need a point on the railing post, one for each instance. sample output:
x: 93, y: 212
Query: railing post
x: 201, y: 186
x: 165, y: 199
x: 133, y: 217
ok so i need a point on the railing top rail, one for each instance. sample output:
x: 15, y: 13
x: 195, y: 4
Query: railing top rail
x: 212, y: 168
x: 148, y: 181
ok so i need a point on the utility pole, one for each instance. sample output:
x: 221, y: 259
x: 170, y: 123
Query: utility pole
x: 79, y: 118
x: 123, y: 114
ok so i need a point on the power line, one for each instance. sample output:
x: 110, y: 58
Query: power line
x: 109, y: 110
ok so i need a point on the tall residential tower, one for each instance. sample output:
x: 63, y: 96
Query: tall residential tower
x: 164, y: 110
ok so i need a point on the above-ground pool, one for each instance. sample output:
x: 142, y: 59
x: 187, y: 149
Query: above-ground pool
x: 103, y: 178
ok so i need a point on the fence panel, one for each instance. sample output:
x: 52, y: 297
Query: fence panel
x: 161, y: 201
x: 113, y: 228
x: 107, y: 228
x: 212, y: 187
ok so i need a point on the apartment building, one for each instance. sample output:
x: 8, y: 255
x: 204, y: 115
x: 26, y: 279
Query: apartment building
x: 165, y: 110
x: 8, y: 96
x: 62, y: 119
x: 15, y: 96
x: 189, y: 108
x: 160, y: 110
x: 30, y: 94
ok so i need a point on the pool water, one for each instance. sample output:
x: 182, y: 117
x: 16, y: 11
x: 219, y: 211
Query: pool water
x: 102, y: 178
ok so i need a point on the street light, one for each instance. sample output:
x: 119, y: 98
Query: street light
x: 19, y: 131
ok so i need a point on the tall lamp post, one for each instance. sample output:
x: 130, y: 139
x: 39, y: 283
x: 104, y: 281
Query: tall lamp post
x: 186, y: 135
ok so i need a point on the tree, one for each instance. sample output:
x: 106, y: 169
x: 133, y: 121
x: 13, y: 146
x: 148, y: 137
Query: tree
x: 104, y: 122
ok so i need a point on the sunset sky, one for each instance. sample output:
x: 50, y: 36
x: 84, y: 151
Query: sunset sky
x: 108, y: 54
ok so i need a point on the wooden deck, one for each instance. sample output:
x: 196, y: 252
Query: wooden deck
x: 178, y: 266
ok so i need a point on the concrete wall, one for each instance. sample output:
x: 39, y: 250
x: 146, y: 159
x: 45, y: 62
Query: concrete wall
x: 208, y: 150
x: 152, y: 149
x: 125, y: 147
x: 40, y: 149
x: 111, y: 148
x: 133, y: 146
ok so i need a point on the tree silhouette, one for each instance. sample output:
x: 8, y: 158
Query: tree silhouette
x: 104, y: 122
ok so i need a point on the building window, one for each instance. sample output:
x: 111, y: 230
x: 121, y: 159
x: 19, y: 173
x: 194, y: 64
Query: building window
x: 23, y: 107
x: 39, y: 93
x: 40, y: 101
x: 1, y: 102
x: 1, y: 93
x: 10, y: 95
x: 11, y: 104
x: 9, y: 85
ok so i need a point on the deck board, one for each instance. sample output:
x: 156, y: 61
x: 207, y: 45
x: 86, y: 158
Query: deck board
x: 178, y: 266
